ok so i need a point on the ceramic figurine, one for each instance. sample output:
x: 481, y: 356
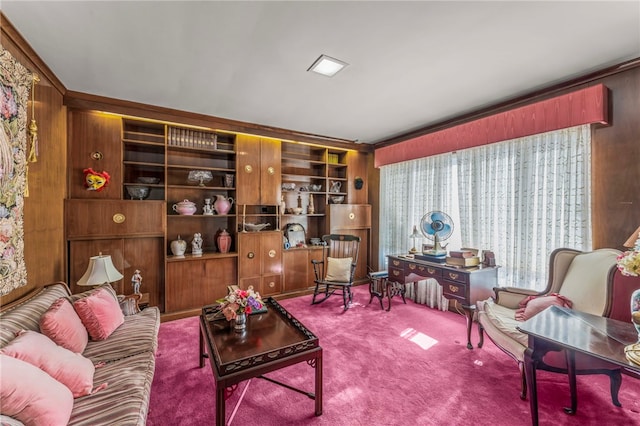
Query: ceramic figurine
x: 207, y: 210
x: 311, y: 209
x: 196, y: 244
x: 136, y: 281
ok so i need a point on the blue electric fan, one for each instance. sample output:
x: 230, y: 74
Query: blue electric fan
x: 436, y: 226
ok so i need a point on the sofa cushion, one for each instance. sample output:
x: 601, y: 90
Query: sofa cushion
x: 100, y: 313
x: 62, y: 324
x: 138, y: 333
x: 69, y: 368
x: 533, y: 305
x: 125, y: 401
x: 31, y: 395
x: 504, y: 319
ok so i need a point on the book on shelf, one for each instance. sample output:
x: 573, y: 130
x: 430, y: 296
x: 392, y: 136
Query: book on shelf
x: 464, y: 262
x: 461, y: 253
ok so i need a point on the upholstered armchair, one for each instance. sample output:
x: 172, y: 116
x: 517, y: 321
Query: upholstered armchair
x: 582, y: 279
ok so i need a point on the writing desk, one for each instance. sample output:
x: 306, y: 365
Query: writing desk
x: 465, y: 285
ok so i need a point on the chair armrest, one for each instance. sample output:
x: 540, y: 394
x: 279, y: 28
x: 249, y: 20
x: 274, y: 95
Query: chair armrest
x: 511, y: 297
x: 318, y: 269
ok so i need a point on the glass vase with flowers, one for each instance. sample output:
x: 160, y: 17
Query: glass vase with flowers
x: 238, y: 304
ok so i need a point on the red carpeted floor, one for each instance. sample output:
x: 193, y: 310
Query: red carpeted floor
x: 406, y: 366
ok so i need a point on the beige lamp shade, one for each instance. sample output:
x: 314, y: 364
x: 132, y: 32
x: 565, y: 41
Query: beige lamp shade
x: 631, y: 242
x: 100, y: 271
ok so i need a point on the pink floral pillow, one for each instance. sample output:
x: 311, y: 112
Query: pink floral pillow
x: 100, y: 313
x: 71, y: 369
x: 31, y: 395
x: 62, y: 324
x: 535, y: 304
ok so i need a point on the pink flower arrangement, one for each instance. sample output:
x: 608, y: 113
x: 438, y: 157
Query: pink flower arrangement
x: 240, y: 301
x: 629, y: 261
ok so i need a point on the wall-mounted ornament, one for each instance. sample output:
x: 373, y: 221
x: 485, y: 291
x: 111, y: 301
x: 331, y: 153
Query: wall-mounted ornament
x: 95, y: 181
x: 358, y: 182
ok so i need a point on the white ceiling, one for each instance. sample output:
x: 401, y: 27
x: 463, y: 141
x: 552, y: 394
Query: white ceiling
x: 411, y: 63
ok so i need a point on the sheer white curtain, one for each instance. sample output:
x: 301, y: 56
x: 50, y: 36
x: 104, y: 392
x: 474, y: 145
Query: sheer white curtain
x: 526, y: 197
x: 408, y: 190
x: 521, y: 199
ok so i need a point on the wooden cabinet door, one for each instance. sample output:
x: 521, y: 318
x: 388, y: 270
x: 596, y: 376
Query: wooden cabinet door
x: 295, y: 269
x: 94, y: 142
x: 248, y: 170
x: 258, y: 170
x: 270, y: 176
x: 194, y: 284
x: 271, y: 249
x: 249, y: 254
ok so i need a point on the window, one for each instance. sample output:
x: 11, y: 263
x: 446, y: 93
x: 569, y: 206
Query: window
x: 521, y: 198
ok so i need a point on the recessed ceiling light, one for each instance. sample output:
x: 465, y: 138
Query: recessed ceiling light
x: 327, y: 65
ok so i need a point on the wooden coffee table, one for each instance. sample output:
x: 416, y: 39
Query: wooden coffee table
x: 272, y: 340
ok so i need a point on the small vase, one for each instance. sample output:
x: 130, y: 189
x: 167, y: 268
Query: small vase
x: 240, y: 323
x: 178, y: 247
x: 635, y: 310
x: 224, y: 241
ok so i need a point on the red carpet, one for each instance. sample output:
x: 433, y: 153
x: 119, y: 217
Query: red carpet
x: 406, y: 366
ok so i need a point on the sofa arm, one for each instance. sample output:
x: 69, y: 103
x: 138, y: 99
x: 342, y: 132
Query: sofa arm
x: 511, y: 297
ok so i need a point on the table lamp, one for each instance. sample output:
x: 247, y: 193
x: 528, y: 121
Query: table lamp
x: 100, y: 271
x: 415, y: 234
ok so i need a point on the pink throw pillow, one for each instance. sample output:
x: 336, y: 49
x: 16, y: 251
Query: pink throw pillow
x: 69, y: 368
x: 100, y: 313
x: 32, y: 396
x: 535, y: 304
x: 62, y: 324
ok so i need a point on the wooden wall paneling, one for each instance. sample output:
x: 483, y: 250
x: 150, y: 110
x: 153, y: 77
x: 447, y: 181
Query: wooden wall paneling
x: 94, y: 132
x: 357, y: 167
x: 219, y: 273
x: 615, y: 164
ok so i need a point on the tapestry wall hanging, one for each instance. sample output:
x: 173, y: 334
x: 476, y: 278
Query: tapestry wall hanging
x: 15, y: 82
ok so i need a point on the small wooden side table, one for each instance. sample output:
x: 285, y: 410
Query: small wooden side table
x: 144, y: 301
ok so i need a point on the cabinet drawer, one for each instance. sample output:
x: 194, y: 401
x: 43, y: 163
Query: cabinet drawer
x: 271, y: 284
x: 396, y: 274
x: 423, y: 270
x: 112, y: 218
x: 455, y: 276
x: 349, y: 216
x: 454, y: 290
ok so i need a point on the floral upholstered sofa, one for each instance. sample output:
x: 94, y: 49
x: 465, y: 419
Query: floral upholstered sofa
x: 119, y: 367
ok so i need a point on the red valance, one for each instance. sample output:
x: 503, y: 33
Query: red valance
x: 585, y: 106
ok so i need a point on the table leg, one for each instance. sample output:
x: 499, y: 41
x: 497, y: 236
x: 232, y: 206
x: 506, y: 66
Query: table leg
x: 469, y: 310
x: 220, y: 405
x: 530, y: 373
x: 571, y: 370
x: 319, y: 384
x: 201, y: 352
